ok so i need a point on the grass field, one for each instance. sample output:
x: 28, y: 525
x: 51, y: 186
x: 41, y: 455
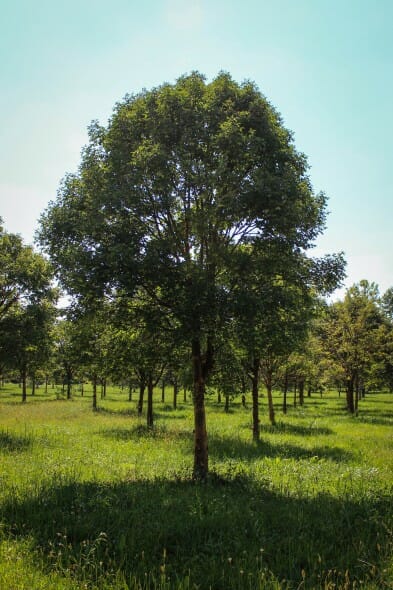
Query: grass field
x: 94, y: 500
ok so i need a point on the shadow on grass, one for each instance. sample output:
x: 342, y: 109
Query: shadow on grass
x: 142, y: 431
x: 123, y: 412
x: 380, y: 413
x: 171, y: 409
x: 298, y: 429
x: 365, y: 419
x: 210, y: 532
x: 11, y: 443
x: 222, y: 448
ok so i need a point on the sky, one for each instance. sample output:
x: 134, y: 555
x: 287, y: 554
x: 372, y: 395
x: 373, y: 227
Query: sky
x: 325, y: 65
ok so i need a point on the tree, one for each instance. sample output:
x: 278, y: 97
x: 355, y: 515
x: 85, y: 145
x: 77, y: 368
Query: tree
x: 25, y: 341
x: 349, y: 336
x: 24, y: 274
x: 165, y: 199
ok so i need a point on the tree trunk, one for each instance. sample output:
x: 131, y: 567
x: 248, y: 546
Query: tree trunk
x: 82, y: 389
x: 270, y: 400
x: 243, y: 386
x: 201, y: 457
x: 350, y: 397
x: 175, y: 391
x: 163, y: 391
x: 285, y: 393
x: 301, y: 392
x: 130, y: 391
x: 357, y: 395
x: 255, y: 395
x: 33, y: 385
x: 46, y: 383
x: 69, y: 379
x: 24, y: 387
x: 150, y: 402
x: 142, y: 385
x: 94, y: 393
x: 226, y: 408
x: 184, y: 394
x: 309, y: 389
x: 295, y: 394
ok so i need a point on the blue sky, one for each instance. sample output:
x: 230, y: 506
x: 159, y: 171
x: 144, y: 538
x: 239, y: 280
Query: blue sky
x: 326, y: 65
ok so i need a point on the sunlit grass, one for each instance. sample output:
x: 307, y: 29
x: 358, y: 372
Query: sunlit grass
x: 97, y: 500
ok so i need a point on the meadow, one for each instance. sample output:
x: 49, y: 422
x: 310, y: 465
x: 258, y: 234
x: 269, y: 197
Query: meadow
x: 95, y: 500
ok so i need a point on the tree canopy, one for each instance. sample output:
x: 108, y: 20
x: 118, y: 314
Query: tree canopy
x: 188, y: 186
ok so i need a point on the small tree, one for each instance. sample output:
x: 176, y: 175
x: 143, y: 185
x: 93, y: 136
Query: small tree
x: 349, y: 336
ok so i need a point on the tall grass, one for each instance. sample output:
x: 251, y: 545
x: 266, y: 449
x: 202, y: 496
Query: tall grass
x: 96, y: 500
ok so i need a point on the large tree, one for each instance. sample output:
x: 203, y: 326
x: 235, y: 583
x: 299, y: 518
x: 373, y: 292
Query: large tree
x: 165, y: 199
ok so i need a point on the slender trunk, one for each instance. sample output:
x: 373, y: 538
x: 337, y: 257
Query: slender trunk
x: 356, y: 395
x: 350, y: 396
x: 175, y: 391
x: 130, y: 391
x: 270, y: 399
x: 142, y: 385
x: 243, y: 386
x: 301, y: 392
x: 226, y: 403
x: 46, y: 384
x: 33, y: 385
x: 150, y: 402
x: 82, y: 389
x: 63, y: 387
x: 163, y: 391
x: 69, y: 380
x: 201, y: 457
x: 255, y: 395
x: 24, y: 387
x: 94, y: 392
x: 285, y: 393
x: 219, y: 397
x: 309, y: 391
x: 295, y: 394
x: 184, y: 394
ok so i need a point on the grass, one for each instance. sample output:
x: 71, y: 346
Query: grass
x: 95, y: 500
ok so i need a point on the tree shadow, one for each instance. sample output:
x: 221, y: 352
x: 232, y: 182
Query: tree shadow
x: 222, y: 448
x: 380, y: 413
x: 139, y: 431
x: 209, y: 532
x: 365, y: 419
x: 12, y: 443
x: 298, y: 429
x: 166, y: 416
x: 171, y: 409
x: 123, y: 412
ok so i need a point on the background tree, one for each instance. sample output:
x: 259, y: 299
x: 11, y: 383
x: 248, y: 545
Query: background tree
x: 26, y: 338
x: 25, y: 276
x: 349, y: 333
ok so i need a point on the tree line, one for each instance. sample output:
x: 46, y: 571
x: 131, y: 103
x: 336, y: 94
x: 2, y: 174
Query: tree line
x: 183, y: 243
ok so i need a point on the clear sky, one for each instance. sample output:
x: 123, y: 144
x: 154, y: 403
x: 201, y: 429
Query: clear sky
x: 326, y: 65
